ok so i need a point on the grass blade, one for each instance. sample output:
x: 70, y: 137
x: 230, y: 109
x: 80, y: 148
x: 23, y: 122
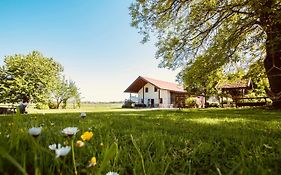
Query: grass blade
x: 4, y: 154
x: 141, y: 157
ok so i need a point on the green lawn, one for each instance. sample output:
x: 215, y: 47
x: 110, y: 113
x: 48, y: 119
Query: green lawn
x: 211, y: 141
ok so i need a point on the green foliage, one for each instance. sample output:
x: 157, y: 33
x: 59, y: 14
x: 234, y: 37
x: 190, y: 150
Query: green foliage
x: 201, y: 77
x: 220, y: 30
x: 205, y: 36
x: 64, y: 90
x: 231, y: 141
x: 52, y: 105
x: 31, y: 74
x: 36, y: 76
x: 128, y: 104
x: 40, y: 105
x: 258, y: 76
x: 190, y: 102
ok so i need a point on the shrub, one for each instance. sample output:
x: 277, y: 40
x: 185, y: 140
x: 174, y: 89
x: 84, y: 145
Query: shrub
x: 140, y: 105
x: 190, y: 102
x: 212, y: 104
x: 41, y: 106
x: 128, y: 104
x: 52, y: 105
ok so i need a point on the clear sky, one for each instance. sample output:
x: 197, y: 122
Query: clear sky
x: 92, y: 39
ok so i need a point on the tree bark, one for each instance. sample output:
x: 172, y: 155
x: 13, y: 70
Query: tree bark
x: 58, y: 103
x: 272, y: 62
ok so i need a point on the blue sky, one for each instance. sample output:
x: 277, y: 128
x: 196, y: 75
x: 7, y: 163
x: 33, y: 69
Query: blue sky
x: 92, y: 39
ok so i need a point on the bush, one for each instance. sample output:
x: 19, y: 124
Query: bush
x: 128, y: 104
x: 140, y: 105
x: 52, y: 105
x: 212, y: 104
x: 190, y: 102
x: 41, y: 106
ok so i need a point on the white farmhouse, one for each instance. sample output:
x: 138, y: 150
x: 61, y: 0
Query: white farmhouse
x: 157, y: 93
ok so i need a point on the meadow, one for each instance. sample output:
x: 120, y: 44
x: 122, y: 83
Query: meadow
x: 141, y: 142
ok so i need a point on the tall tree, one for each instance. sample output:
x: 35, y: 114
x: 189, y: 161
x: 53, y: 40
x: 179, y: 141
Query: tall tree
x: 32, y: 74
x: 64, y: 90
x: 200, y: 78
x: 220, y: 30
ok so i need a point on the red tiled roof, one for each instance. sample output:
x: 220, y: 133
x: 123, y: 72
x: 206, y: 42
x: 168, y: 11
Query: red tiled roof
x: 141, y: 81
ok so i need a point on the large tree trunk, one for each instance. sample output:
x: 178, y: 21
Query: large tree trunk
x: 272, y: 62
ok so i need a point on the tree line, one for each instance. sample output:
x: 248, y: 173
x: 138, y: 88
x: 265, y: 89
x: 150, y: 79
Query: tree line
x: 38, y: 77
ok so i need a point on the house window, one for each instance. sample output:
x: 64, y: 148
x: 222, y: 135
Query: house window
x: 155, y: 89
x: 161, y: 100
x: 146, y: 89
x: 141, y: 100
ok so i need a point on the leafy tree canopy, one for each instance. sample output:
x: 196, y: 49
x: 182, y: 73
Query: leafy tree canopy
x: 218, y: 32
x: 64, y: 90
x: 31, y: 74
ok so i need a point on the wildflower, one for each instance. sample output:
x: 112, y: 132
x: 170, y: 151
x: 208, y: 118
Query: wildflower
x: 112, y: 173
x: 70, y: 131
x: 79, y: 144
x: 87, y: 136
x: 53, y: 147
x: 59, y: 150
x: 63, y: 151
x: 83, y: 115
x: 35, y: 132
x: 65, y: 142
x: 93, y: 161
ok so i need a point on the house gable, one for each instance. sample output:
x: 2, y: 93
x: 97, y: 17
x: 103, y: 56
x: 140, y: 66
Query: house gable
x: 156, y: 93
x: 141, y: 81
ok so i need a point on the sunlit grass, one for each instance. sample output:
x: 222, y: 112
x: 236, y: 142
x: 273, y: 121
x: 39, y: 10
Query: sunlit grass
x: 212, y: 141
x: 84, y: 108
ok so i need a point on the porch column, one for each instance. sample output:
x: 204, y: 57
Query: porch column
x: 143, y: 95
x: 222, y: 98
x: 159, y: 98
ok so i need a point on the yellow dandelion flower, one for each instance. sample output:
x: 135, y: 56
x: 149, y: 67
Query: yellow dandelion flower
x: 87, y: 136
x: 93, y: 161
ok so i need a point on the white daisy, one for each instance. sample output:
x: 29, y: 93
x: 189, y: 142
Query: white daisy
x: 63, y: 151
x: 53, y: 147
x: 34, y: 131
x: 70, y: 131
x: 83, y: 115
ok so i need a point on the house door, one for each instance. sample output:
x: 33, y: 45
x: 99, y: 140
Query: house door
x: 152, y: 103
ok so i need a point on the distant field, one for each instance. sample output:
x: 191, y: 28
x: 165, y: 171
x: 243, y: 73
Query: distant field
x: 207, y: 141
x: 98, y: 107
